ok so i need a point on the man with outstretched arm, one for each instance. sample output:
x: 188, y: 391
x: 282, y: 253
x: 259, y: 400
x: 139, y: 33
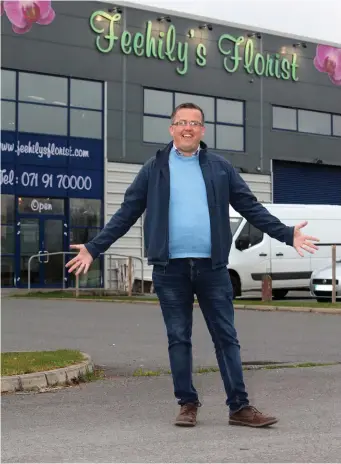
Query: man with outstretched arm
x: 186, y: 191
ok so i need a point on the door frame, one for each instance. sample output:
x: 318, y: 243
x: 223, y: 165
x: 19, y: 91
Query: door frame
x: 41, y: 222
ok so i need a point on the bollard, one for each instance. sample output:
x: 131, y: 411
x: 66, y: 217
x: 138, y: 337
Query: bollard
x: 266, y: 287
x: 333, y: 273
x: 77, y: 286
x: 130, y: 276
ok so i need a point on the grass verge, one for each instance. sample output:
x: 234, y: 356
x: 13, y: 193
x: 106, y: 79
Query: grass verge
x: 18, y: 363
x: 138, y: 298
x: 206, y: 370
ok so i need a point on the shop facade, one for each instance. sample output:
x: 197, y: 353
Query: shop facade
x: 86, y: 101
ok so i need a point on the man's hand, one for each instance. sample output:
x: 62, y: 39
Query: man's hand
x: 81, y: 262
x: 304, y: 242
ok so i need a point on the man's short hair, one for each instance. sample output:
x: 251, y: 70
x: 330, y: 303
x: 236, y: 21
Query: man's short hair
x: 189, y: 106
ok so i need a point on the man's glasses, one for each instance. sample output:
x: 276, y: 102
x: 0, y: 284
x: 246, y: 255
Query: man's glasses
x: 183, y: 123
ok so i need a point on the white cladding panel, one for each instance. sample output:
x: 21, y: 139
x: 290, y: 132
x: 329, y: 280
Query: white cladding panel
x: 119, y: 177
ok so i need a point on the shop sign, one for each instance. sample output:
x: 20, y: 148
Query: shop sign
x: 237, y: 52
x: 37, y: 206
x: 44, y: 165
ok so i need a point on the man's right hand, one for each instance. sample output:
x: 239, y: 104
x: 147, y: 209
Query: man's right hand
x: 81, y: 262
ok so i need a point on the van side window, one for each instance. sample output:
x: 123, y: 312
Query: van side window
x: 248, y: 237
x: 256, y: 235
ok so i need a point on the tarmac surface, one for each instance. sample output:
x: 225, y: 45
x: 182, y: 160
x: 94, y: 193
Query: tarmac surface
x: 125, y: 337
x: 130, y: 419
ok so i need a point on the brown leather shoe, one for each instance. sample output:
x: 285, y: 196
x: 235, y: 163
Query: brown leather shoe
x: 187, y: 416
x: 251, y: 417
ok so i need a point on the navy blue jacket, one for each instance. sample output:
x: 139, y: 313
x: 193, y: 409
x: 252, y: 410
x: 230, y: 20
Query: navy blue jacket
x: 150, y: 191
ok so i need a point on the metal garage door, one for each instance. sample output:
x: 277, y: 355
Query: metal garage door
x: 306, y: 183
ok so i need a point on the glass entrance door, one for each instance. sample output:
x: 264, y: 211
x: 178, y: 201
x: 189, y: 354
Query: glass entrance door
x: 52, y: 268
x: 38, y: 236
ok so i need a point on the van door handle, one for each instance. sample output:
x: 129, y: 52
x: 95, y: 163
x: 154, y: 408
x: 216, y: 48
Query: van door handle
x: 279, y: 254
x: 263, y: 254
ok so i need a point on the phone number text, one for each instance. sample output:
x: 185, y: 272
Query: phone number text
x: 35, y: 179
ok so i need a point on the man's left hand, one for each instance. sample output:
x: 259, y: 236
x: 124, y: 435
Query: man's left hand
x: 304, y: 242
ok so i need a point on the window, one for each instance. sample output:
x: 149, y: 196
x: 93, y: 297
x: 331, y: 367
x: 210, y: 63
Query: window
x: 39, y: 88
x: 230, y: 138
x: 158, y: 102
x: 156, y: 129
x: 284, y: 118
x: 7, y: 116
x: 249, y: 237
x: 337, y: 125
x: 230, y: 112
x: 306, y: 121
x: 42, y: 119
x: 85, y: 213
x: 45, y: 104
x: 86, y: 124
x: 85, y: 224
x: 224, y: 119
x: 205, y: 103
x: 86, y: 94
x: 209, y: 135
x: 31, y: 205
x: 7, y: 209
x: 8, y: 84
x: 7, y: 271
x: 7, y: 239
x: 314, y: 122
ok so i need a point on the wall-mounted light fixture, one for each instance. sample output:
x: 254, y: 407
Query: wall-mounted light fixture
x: 318, y: 161
x: 254, y: 34
x: 115, y: 9
x: 191, y: 34
x: 300, y: 44
x: 206, y: 26
x: 163, y: 19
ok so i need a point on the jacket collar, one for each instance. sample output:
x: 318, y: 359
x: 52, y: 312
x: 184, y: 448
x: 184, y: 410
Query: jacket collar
x: 162, y: 156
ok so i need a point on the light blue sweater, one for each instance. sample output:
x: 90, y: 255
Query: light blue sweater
x: 189, y: 219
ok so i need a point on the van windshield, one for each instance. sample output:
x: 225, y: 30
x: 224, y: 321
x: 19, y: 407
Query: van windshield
x: 234, y: 224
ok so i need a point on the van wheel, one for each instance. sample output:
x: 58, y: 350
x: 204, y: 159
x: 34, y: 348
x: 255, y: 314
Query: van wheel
x: 279, y: 294
x: 236, y: 286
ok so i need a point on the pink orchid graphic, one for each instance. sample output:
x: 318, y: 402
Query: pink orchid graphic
x: 328, y: 60
x: 23, y: 13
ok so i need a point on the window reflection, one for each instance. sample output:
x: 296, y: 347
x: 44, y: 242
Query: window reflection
x: 7, y: 239
x: 86, y: 94
x: 7, y: 116
x: 92, y: 279
x: 7, y: 271
x: 43, y: 89
x: 80, y: 235
x: 40, y: 119
x: 7, y: 209
x: 8, y: 84
x: 86, y: 213
x: 85, y: 123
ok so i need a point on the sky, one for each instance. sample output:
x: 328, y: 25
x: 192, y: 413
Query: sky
x: 318, y: 21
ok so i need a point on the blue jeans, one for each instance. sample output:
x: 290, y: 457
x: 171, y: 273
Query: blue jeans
x: 175, y: 285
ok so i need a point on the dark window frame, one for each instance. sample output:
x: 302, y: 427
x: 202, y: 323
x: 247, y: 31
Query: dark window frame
x: 68, y: 105
x: 215, y: 122
x: 331, y: 114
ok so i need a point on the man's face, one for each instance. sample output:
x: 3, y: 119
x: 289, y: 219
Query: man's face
x: 187, y: 130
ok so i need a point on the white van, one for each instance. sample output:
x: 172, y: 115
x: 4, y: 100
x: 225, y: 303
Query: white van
x: 254, y: 254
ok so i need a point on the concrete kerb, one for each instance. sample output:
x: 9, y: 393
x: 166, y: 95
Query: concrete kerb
x: 297, y: 309
x: 47, y: 379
